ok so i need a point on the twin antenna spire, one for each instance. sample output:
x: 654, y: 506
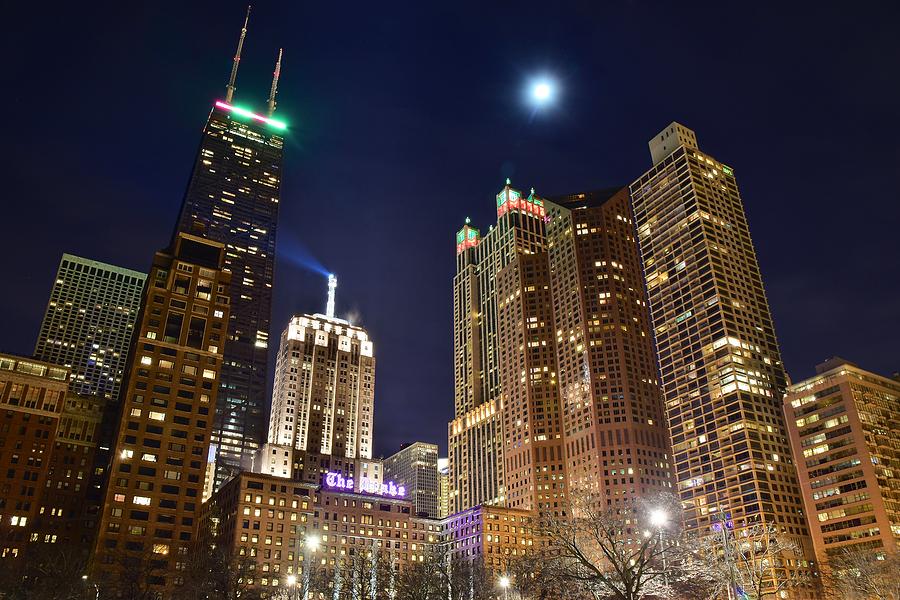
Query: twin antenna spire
x: 230, y: 88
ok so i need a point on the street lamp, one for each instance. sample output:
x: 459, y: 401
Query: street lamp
x: 310, y: 545
x: 504, y: 583
x: 659, y: 518
x: 84, y: 578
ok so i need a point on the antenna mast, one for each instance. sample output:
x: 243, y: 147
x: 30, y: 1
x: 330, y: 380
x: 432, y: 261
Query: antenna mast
x: 229, y: 89
x: 274, y: 89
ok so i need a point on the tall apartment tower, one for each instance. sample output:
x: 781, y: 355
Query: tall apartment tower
x: 506, y: 438
x: 322, y: 401
x: 617, y: 442
x: 720, y: 368
x: 232, y: 197
x: 152, y: 502
x: 844, y: 424
x: 89, y: 323
x: 475, y: 434
x: 416, y: 467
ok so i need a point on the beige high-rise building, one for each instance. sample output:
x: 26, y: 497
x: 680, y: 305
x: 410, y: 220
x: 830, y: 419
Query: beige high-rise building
x: 506, y: 439
x: 321, y: 418
x: 617, y: 442
x: 721, y: 371
x: 845, y: 432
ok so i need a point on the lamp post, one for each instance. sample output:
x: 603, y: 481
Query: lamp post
x: 292, y: 583
x: 84, y: 578
x: 504, y: 583
x: 310, y: 545
x: 659, y: 518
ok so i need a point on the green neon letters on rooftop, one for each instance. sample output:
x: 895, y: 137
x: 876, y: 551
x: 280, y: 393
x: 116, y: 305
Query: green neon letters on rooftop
x: 243, y: 112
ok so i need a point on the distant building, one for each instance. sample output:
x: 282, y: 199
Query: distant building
x: 152, y: 503
x: 443, y: 487
x: 32, y: 396
x: 844, y: 425
x: 720, y: 367
x: 416, y: 466
x: 321, y: 418
x: 495, y: 535
x: 89, y: 323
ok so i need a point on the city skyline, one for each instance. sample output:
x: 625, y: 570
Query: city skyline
x: 830, y: 320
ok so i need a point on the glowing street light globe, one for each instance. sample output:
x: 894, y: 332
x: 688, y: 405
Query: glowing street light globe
x: 658, y: 517
x: 292, y: 580
x: 504, y: 582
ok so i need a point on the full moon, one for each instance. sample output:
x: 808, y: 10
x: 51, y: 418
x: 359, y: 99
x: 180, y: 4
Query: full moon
x: 542, y: 91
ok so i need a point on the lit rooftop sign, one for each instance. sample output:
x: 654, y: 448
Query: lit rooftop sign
x: 336, y: 481
x: 243, y: 112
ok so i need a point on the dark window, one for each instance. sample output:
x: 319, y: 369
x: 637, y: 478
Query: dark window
x: 196, y: 332
x: 173, y: 327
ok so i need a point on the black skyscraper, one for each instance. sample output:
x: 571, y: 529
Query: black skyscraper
x: 232, y: 197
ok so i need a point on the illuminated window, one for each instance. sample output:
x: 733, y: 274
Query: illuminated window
x: 142, y: 500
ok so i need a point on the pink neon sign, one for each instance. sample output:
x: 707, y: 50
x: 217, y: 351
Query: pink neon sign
x: 336, y: 481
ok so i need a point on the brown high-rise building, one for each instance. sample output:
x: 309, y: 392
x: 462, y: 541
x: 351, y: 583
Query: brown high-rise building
x: 152, y: 503
x: 617, y: 442
x: 844, y: 424
x: 506, y: 439
x: 32, y: 394
x: 720, y: 367
x: 71, y: 499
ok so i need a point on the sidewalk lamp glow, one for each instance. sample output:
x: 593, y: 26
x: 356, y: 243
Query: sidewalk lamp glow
x: 504, y: 582
x: 292, y: 580
x: 658, y: 517
x: 312, y: 542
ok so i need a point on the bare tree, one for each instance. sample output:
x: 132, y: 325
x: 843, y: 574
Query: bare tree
x: 212, y: 572
x: 364, y: 574
x: 623, y: 553
x: 864, y: 574
x: 47, y: 572
x: 424, y: 580
x: 752, y: 562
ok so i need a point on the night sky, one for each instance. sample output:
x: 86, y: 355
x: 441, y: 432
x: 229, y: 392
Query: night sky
x: 405, y: 119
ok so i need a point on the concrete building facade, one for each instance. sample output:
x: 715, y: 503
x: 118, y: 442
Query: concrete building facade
x: 416, y: 466
x: 89, y: 323
x: 844, y: 424
x: 616, y: 438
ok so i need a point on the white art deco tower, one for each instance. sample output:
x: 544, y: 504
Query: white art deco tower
x: 322, y: 400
